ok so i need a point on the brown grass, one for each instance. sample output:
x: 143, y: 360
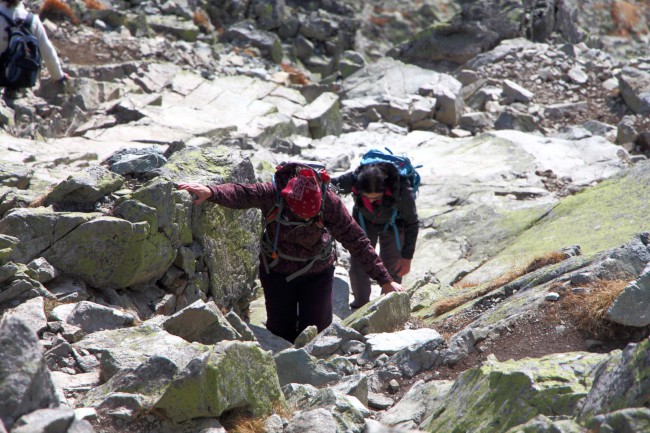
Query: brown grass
x: 95, y: 4
x: 379, y: 21
x: 241, y: 421
x: 448, y: 304
x: 627, y: 19
x: 58, y: 8
x: 296, y: 76
x: 589, y: 309
x: 201, y: 18
x: 545, y: 260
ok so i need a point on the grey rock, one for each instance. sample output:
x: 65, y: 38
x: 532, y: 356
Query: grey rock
x: 200, y: 322
x: 297, y: 366
x: 86, y: 187
x: 632, y: 306
x: 635, y: 89
x: 91, y: 317
x: 27, y: 384
x: 317, y: 421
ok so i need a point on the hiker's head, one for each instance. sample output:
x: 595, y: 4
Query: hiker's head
x: 303, y: 194
x: 372, y: 179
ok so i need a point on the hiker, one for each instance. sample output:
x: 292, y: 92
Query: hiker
x: 13, y: 10
x: 302, y: 219
x: 384, y: 206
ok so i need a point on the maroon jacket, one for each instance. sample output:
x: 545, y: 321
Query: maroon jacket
x: 305, y: 241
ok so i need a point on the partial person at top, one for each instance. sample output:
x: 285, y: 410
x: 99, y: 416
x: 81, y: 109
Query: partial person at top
x: 384, y: 206
x: 13, y: 12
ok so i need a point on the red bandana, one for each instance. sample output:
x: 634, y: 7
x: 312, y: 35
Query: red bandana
x: 303, y: 194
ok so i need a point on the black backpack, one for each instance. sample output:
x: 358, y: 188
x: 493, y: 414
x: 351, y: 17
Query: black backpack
x: 20, y: 64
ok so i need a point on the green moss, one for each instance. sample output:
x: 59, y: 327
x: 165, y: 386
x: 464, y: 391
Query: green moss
x: 596, y: 219
x: 183, y: 166
x: 232, y: 248
x: 235, y: 375
x: 500, y: 395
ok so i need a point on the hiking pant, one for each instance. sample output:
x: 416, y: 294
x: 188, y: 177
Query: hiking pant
x: 360, y: 281
x: 291, y: 306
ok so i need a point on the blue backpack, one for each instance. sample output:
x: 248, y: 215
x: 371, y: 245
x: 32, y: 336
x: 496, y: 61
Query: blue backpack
x: 407, y: 172
x: 20, y: 63
x: 402, y: 163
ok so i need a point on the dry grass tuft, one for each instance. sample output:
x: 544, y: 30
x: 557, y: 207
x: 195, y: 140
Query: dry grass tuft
x: 296, y: 76
x: 201, y: 18
x: 38, y: 202
x: 589, y: 309
x: 379, y: 21
x: 461, y: 285
x: 545, y: 260
x: 446, y: 305
x: 58, y: 8
x: 95, y: 4
x: 241, y: 421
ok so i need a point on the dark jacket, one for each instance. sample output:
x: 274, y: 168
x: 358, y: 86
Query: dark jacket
x: 305, y: 241
x: 400, y: 197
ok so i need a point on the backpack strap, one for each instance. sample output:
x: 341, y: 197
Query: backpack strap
x: 27, y: 22
x: 9, y: 20
x: 392, y: 222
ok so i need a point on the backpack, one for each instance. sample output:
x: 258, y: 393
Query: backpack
x: 20, y: 63
x: 407, y: 173
x: 403, y: 164
x: 269, y: 246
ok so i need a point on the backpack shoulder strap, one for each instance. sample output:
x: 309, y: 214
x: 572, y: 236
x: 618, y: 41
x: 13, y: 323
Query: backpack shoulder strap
x: 7, y: 18
x: 27, y: 22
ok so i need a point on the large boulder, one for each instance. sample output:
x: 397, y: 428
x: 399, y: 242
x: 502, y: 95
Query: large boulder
x: 229, y: 237
x: 234, y: 375
x: 499, y: 395
x: 621, y: 381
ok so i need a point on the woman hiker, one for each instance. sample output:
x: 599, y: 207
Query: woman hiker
x: 302, y: 219
x: 384, y: 206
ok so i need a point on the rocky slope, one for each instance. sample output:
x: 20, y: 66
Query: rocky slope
x: 125, y: 308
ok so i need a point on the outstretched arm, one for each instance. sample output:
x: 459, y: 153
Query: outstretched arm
x: 50, y: 58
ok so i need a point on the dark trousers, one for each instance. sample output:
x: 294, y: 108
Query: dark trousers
x: 360, y: 281
x: 291, y: 306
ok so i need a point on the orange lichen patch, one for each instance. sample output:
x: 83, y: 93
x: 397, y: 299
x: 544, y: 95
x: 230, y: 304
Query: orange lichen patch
x: 296, y: 76
x: 95, y: 4
x: 628, y: 18
x: 56, y: 8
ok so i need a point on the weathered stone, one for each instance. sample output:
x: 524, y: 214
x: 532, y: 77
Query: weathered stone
x: 551, y: 385
x: 297, y: 366
x: 200, y: 322
x: 86, y: 187
x: 620, y: 382
x: 233, y: 375
x: 635, y: 89
x: 632, y: 306
x: 382, y: 315
x: 26, y: 382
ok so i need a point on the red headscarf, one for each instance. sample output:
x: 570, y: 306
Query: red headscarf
x: 303, y: 194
